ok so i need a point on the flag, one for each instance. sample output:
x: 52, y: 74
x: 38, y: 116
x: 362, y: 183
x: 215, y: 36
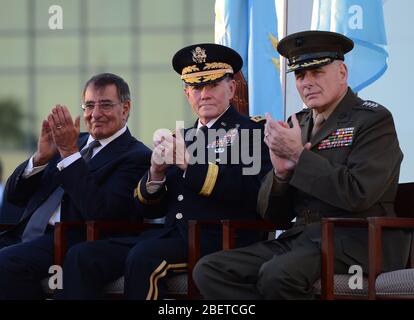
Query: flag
x: 250, y: 28
x: 363, y: 22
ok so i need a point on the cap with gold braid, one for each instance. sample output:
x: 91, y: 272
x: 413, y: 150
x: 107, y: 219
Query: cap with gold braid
x: 205, y: 63
x: 312, y: 49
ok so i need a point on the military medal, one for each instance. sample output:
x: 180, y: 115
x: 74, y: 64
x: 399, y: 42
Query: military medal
x: 340, y: 138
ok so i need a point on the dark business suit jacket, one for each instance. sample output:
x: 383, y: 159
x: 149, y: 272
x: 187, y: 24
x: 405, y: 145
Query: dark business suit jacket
x: 351, y: 171
x: 101, y: 189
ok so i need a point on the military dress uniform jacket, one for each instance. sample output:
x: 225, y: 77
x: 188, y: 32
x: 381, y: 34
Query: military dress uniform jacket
x: 351, y: 171
x: 212, y: 190
x: 98, y: 190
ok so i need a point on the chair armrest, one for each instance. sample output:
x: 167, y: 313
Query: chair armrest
x: 327, y: 272
x: 376, y: 225
x: 60, y: 238
x: 231, y: 226
x: 194, y: 251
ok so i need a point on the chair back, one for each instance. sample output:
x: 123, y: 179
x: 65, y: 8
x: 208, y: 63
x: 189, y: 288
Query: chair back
x: 404, y: 207
x: 404, y: 200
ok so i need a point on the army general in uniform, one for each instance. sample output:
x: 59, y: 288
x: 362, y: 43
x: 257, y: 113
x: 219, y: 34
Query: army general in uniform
x: 339, y: 157
x: 210, y: 171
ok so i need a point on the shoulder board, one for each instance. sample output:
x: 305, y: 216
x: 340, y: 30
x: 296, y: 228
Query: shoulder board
x: 173, y: 132
x: 257, y: 119
x: 370, y: 105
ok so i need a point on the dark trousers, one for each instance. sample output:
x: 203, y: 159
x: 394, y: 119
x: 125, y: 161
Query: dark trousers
x: 24, y: 265
x: 90, y: 266
x: 276, y: 269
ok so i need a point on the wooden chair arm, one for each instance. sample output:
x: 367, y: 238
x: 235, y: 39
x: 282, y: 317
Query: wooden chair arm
x: 231, y: 226
x: 60, y: 238
x: 327, y: 272
x: 376, y: 225
x: 194, y: 227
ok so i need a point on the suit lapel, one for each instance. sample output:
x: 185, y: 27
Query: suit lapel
x: 117, y: 147
x: 112, y: 151
x: 305, y: 127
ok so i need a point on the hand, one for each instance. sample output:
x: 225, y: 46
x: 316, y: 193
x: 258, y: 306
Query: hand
x: 169, y: 150
x: 181, y: 156
x: 283, y: 167
x: 283, y: 141
x: 65, y: 132
x: 46, y: 147
x: 158, y: 161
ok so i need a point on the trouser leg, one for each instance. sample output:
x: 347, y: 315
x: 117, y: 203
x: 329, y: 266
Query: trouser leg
x: 23, y: 266
x: 291, y: 275
x: 233, y: 274
x: 89, y: 266
x: 148, y: 264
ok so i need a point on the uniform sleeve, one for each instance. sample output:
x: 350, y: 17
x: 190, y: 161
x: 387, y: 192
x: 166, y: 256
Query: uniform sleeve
x: 153, y: 203
x: 274, y: 203
x: 372, y: 164
x: 19, y: 190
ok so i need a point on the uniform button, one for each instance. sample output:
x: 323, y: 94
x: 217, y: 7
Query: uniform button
x: 179, y: 215
x: 180, y: 197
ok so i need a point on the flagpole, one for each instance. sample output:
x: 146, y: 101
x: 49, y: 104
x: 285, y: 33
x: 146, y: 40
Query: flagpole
x: 283, y: 60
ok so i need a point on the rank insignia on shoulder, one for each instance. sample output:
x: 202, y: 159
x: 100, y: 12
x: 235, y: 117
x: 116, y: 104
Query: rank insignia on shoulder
x: 257, y: 118
x: 370, y: 104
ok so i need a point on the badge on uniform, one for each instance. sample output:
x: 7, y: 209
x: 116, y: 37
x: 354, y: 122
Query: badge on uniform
x: 225, y: 141
x: 340, y: 138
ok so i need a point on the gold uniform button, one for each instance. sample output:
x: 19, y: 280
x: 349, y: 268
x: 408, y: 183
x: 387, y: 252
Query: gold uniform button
x: 180, y: 197
x: 179, y: 215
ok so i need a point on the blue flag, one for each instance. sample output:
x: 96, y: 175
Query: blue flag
x: 363, y: 22
x: 250, y: 28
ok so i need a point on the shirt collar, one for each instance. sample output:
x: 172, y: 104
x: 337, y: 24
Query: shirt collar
x: 327, y: 113
x: 108, y: 140
x: 211, y: 122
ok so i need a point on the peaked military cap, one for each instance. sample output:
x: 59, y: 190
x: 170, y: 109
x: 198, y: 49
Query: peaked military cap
x: 311, y: 49
x: 204, y: 63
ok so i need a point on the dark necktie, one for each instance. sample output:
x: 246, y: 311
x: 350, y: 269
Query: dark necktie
x: 88, y: 151
x: 40, y: 218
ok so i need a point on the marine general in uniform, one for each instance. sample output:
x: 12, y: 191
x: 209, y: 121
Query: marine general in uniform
x: 339, y: 157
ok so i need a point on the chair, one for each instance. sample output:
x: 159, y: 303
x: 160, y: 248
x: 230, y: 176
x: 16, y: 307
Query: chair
x: 180, y: 286
x: 229, y: 232
x: 335, y: 286
x: 397, y: 284
x: 60, y: 246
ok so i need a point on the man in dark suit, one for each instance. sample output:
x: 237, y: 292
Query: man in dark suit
x: 71, y: 177
x: 339, y: 157
x: 210, y: 171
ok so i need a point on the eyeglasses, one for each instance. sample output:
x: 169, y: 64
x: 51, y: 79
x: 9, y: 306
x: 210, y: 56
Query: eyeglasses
x: 104, y: 106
